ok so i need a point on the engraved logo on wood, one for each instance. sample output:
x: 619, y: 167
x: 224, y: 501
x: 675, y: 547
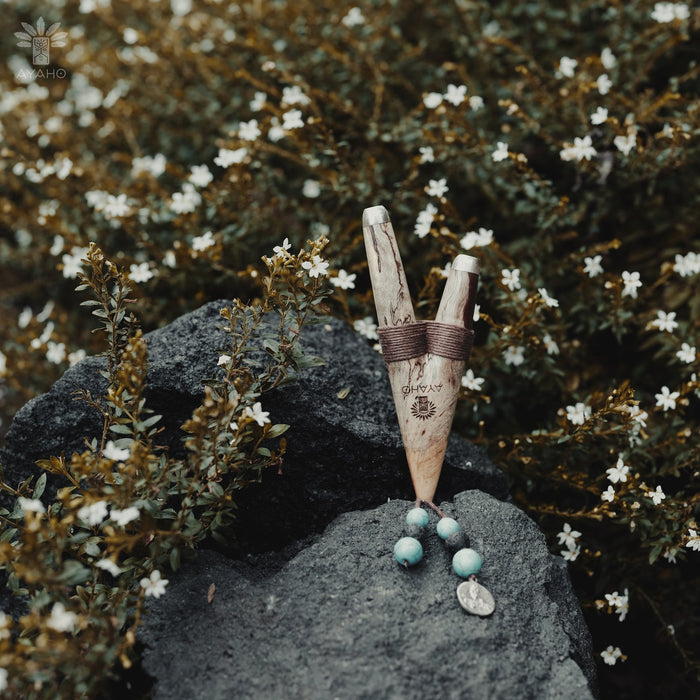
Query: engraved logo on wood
x: 423, y: 408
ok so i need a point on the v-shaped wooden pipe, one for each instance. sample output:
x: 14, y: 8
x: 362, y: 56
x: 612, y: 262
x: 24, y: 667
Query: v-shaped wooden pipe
x: 425, y: 360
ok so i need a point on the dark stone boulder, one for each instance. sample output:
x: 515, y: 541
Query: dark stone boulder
x: 309, y: 601
x: 342, y: 619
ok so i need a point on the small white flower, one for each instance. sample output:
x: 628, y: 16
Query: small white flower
x: 549, y: 301
x: 257, y: 414
x: 670, y: 556
x: 568, y: 536
x: 258, y: 101
x: 687, y: 265
x: 116, y: 454
x: 248, y: 131
x: 619, y: 472
x: 631, y: 283
x: 366, y: 327
x: 281, y: 250
x: 154, y: 585
x: 657, y: 496
x: 116, y: 206
x: 186, y: 201
x: 511, y: 279
x: 61, y: 620
x: 425, y: 220
x: 611, y: 655
x: 687, y: 353
x: 456, y: 94
x: 623, y: 605
x: 200, y: 175
x: 56, y: 352
x: 316, y: 267
x: 469, y: 381
x: 625, y: 144
x: 432, y: 100
x: 600, y: 116
x: 353, y: 18
x: 477, y: 239
x: 514, y: 355
x: 169, y: 260
x: 293, y: 95
x: 581, y: 150
x: 664, y: 12
x: 200, y: 243
x: 72, y: 264
x: 344, y: 280
x: 31, y: 505
x: 571, y: 554
x: 567, y: 66
x: 604, y: 84
x: 578, y: 414
x: 292, y: 120
x: 693, y: 540
x: 608, y: 495
x: 311, y: 189
x: 667, y: 398
x: 437, y: 188
x: 613, y: 599
x: 140, y: 273
x: 501, y: 152
x: 94, y: 513
x: 223, y: 360
x: 592, y: 266
x: 427, y: 154
x: 109, y: 566
x: 607, y: 58
x: 228, y: 157
x: 550, y: 344
x: 124, y: 516
x: 665, y: 321
x: 155, y: 165
x: 476, y: 102
x: 477, y: 311
x: 3, y: 679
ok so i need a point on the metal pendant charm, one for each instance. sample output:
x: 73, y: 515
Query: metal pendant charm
x: 475, y: 599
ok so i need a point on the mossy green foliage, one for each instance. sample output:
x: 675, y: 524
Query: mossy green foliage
x: 558, y: 142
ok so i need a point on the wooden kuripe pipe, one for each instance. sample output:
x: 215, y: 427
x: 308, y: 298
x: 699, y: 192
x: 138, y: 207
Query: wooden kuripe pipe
x: 425, y: 388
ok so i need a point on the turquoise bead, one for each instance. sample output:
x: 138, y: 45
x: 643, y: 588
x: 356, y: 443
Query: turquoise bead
x: 466, y: 562
x: 417, y: 516
x: 408, y: 551
x: 446, y: 526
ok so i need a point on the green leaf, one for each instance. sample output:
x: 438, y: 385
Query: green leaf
x: 277, y: 430
x: 654, y: 553
x: 175, y: 559
x: 73, y: 573
x: 40, y: 486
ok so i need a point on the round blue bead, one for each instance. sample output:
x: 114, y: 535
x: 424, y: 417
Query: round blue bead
x: 446, y: 526
x: 466, y: 562
x: 408, y: 551
x: 417, y: 516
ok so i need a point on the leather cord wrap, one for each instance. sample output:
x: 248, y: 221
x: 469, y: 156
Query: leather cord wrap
x: 425, y: 337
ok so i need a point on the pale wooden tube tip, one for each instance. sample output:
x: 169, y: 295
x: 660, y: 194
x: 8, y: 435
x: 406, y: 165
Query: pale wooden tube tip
x: 375, y: 215
x: 466, y: 263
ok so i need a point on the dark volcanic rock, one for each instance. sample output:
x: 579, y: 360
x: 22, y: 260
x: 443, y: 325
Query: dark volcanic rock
x: 342, y: 453
x: 343, y: 620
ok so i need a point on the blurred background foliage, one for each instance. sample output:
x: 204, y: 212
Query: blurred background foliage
x: 563, y: 132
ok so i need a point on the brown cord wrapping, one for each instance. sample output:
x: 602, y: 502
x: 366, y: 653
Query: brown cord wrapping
x: 425, y: 337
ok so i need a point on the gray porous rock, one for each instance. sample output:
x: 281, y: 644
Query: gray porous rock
x: 308, y: 601
x: 342, y: 453
x: 341, y: 619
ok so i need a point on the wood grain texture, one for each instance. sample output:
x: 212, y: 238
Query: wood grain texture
x: 425, y: 389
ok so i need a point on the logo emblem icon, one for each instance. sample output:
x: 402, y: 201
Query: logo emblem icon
x: 40, y: 40
x: 423, y: 408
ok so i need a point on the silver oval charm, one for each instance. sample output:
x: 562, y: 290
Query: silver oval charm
x: 475, y: 599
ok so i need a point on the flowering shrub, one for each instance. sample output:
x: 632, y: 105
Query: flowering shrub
x: 557, y: 142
